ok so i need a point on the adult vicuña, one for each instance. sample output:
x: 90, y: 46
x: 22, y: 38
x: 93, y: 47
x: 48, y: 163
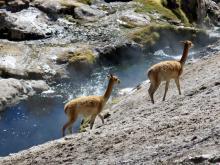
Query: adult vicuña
x: 88, y: 106
x: 167, y: 70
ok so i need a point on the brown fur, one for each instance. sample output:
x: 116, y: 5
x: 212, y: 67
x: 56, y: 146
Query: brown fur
x: 88, y: 106
x: 167, y: 70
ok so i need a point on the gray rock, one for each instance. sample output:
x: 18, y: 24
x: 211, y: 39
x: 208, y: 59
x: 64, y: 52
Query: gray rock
x: 30, y: 62
x: 205, y: 12
x: 56, y: 6
x: 88, y: 13
x: 25, y: 25
x: 133, y: 19
x: 13, y: 90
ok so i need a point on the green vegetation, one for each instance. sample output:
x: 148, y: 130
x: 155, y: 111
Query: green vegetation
x: 86, y: 120
x: 156, y: 6
x: 115, y: 101
x: 181, y: 15
x: 81, y: 55
x: 84, y: 124
x: 146, y: 35
x: 149, y: 35
x: 73, y: 4
x: 88, y: 2
x: 160, y: 6
x: 190, y: 6
x: 177, y: 11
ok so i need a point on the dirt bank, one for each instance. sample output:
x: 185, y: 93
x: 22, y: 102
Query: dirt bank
x: 184, y: 129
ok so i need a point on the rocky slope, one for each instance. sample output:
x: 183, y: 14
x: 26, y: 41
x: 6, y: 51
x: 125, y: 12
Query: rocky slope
x: 56, y: 40
x: 184, y: 129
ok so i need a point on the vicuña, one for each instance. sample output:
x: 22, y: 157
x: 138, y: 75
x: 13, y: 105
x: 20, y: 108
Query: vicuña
x: 88, y: 106
x: 167, y: 70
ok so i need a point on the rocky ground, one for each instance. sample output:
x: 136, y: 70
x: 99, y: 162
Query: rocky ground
x: 184, y: 129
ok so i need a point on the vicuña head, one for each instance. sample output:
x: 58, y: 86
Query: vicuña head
x: 167, y: 70
x: 88, y: 106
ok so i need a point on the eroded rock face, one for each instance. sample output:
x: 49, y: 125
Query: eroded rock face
x: 214, y: 12
x: 13, y: 90
x: 202, y: 11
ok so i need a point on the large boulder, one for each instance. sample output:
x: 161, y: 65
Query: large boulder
x: 13, y: 90
x: 27, y: 24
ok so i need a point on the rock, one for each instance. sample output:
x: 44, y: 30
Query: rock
x: 27, y: 24
x: 133, y: 19
x: 13, y: 90
x: 17, y: 5
x: 201, y: 11
x: 214, y: 12
x: 201, y: 159
x: 30, y: 62
x: 88, y: 13
x: 120, y: 53
x: 80, y: 60
x: 57, y: 6
x: 38, y: 86
x: 2, y: 3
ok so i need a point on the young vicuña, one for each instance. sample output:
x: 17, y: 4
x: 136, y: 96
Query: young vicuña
x: 88, y: 106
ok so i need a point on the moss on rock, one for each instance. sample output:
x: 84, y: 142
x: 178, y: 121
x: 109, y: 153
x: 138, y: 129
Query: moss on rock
x: 156, y: 6
x: 83, y: 55
x: 164, y: 34
x: 162, y: 7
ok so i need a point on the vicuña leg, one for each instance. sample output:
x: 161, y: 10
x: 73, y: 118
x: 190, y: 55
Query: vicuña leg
x: 102, y: 118
x: 70, y: 129
x: 166, y: 88
x: 69, y: 123
x: 153, y: 87
x: 177, y: 81
x: 92, y: 121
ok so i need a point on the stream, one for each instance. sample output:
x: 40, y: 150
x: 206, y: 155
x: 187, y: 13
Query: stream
x: 40, y: 118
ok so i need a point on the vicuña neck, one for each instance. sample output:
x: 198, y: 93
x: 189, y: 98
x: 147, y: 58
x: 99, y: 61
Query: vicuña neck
x: 108, y: 90
x: 185, y: 54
